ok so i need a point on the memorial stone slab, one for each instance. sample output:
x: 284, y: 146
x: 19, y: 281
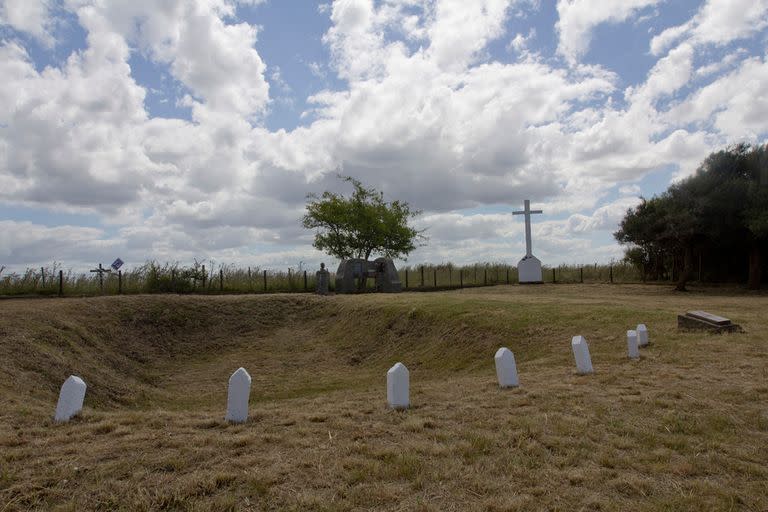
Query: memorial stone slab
x: 581, y: 355
x: 642, y: 335
x: 237, y: 396
x: 398, y: 387
x: 506, y: 369
x: 703, y: 321
x: 71, y: 399
x: 632, y: 345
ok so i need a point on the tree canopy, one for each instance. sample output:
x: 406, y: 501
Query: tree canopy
x: 719, y: 213
x: 362, y: 224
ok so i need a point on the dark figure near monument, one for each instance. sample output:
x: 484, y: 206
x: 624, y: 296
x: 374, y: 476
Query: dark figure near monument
x: 353, y: 273
x: 323, y: 280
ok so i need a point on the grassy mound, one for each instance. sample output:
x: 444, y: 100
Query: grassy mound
x: 683, y: 428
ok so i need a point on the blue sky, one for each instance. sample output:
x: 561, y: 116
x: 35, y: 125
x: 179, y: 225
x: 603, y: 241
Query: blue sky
x: 184, y: 130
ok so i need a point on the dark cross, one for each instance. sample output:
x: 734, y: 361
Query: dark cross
x: 101, y: 270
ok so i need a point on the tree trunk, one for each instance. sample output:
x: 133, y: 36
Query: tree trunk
x: 685, y: 274
x: 755, y: 269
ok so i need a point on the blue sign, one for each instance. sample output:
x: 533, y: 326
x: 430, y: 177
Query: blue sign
x: 117, y: 264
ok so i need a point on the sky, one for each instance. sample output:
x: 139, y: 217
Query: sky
x: 182, y: 130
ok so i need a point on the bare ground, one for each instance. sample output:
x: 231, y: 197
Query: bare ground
x: 684, y: 428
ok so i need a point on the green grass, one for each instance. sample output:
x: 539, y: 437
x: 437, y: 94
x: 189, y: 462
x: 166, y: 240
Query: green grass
x: 683, y: 428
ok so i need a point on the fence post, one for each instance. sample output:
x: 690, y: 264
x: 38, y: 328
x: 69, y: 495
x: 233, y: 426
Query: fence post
x: 422, y: 276
x: 507, y: 274
x: 265, y: 280
x: 305, y: 281
x: 119, y: 282
x: 610, y: 272
x: 204, y: 277
x: 250, y: 282
x: 485, y: 277
x: 461, y: 278
x: 581, y: 274
x: 42, y: 272
x: 221, y: 279
x: 435, y: 276
x: 61, y: 283
x: 173, y: 280
x: 450, y: 277
x: 553, y: 275
x: 406, y: 278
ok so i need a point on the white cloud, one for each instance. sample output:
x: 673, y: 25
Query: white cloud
x: 577, y: 19
x: 717, y: 22
x: 30, y: 16
x: 423, y: 114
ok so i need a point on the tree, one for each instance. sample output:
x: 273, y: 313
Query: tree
x: 361, y: 225
x: 720, y: 211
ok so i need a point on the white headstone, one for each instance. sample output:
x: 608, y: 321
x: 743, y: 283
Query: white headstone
x: 237, y: 397
x: 581, y: 355
x: 632, y: 347
x: 71, y: 398
x: 642, y: 335
x: 397, y: 387
x: 506, y: 369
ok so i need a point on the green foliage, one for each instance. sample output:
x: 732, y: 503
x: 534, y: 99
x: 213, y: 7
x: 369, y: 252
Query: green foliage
x: 361, y: 225
x: 722, y: 208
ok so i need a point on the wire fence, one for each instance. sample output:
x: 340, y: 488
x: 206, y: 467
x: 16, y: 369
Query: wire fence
x: 215, y: 279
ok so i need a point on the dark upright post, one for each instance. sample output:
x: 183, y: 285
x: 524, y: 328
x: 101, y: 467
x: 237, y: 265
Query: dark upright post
x: 406, y: 277
x: 61, y: 283
x: 221, y: 279
x: 581, y: 275
x: 461, y: 278
x: 42, y: 272
x: 610, y: 272
x: 485, y: 277
x: 435, y: 276
x: 305, y: 281
x: 422, y: 276
x: 204, y: 277
x: 553, y: 275
x: 265, y: 280
x: 119, y: 282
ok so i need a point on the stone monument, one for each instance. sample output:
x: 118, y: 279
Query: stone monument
x: 71, y: 399
x: 581, y: 355
x: 528, y: 268
x: 642, y: 335
x: 703, y: 321
x: 323, y: 280
x: 632, y: 345
x: 398, y: 382
x: 237, y: 396
x: 506, y: 369
x: 353, y: 272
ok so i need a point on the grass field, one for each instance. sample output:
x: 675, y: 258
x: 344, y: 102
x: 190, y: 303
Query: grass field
x: 684, y: 428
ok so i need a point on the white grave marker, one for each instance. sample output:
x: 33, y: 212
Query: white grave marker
x: 632, y: 347
x: 237, y: 397
x: 397, y: 387
x: 506, y: 369
x: 71, y: 398
x: 581, y: 355
x: 642, y: 335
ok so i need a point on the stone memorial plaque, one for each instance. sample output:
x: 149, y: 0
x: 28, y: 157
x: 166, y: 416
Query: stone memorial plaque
x: 642, y: 335
x: 581, y: 355
x: 506, y: 369
x: 237, y: 396
x: 632, y: 345
x: 398, y: 387
x: 71, y: 398
x: 708, y: 317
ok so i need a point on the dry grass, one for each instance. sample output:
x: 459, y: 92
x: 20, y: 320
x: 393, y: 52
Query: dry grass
x: 684, y: 428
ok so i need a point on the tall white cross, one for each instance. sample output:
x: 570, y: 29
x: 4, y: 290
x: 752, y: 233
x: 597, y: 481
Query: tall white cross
x: 527, y: 212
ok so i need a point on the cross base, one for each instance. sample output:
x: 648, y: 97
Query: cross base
x: 529, y: 270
